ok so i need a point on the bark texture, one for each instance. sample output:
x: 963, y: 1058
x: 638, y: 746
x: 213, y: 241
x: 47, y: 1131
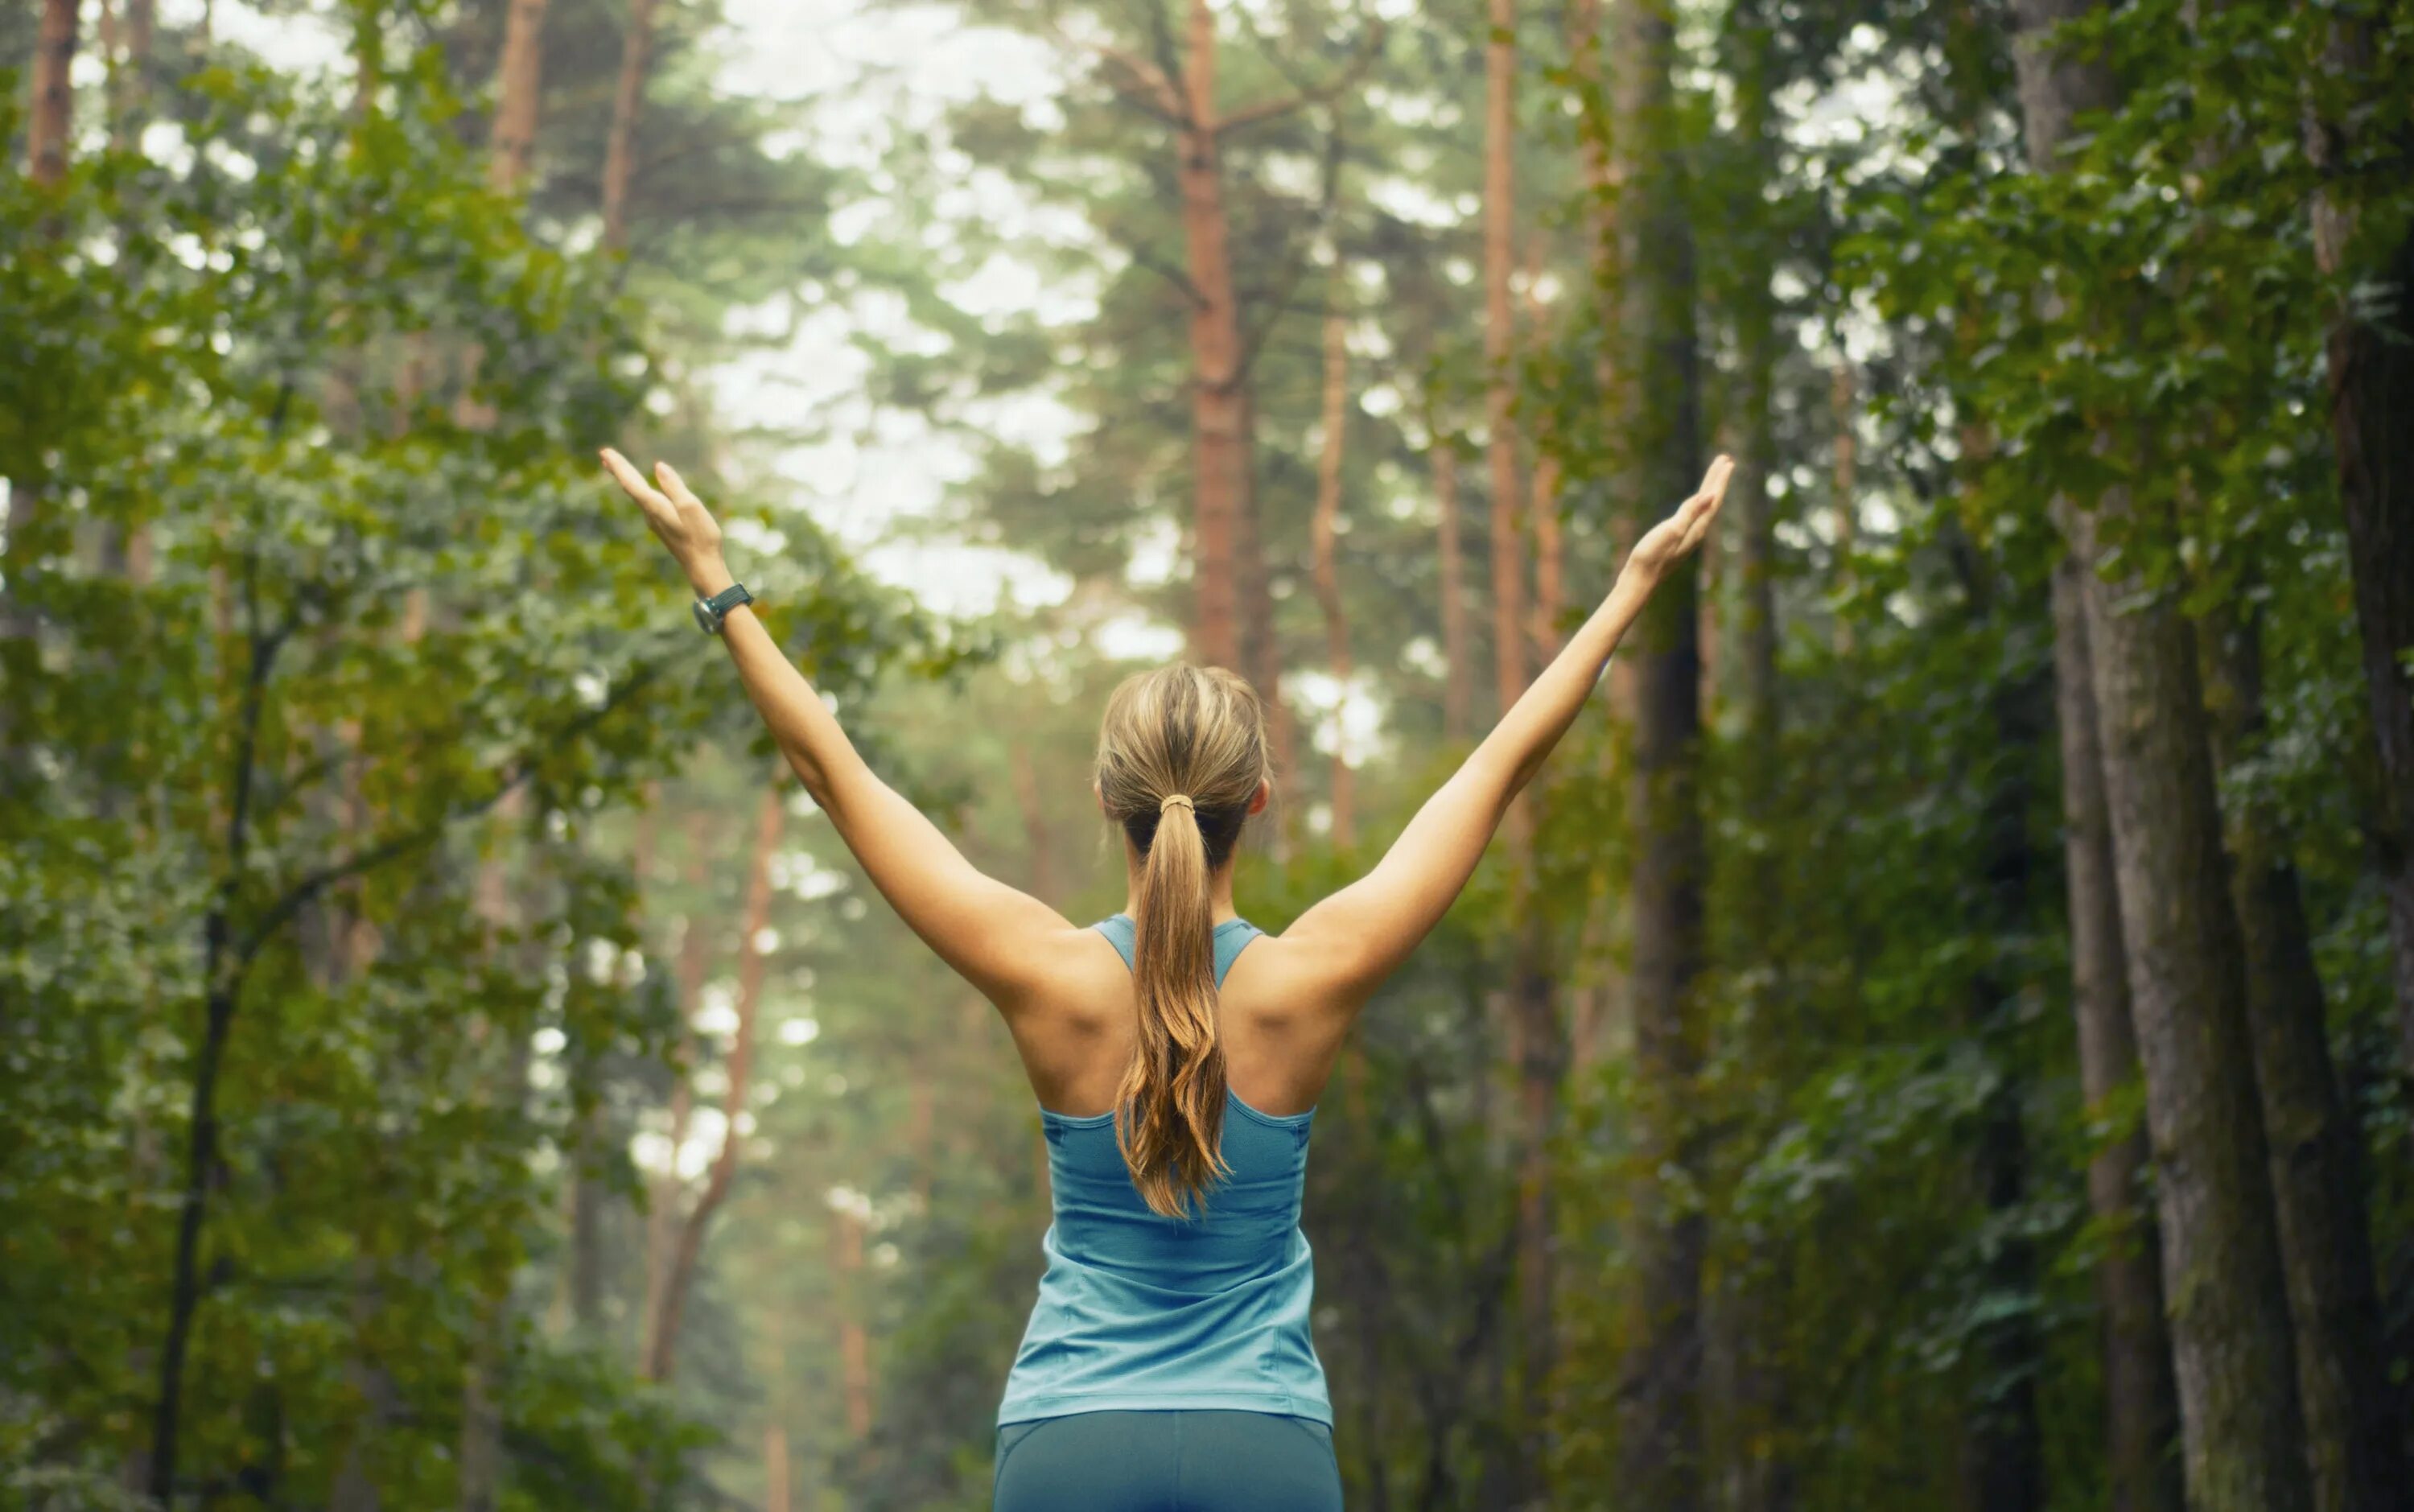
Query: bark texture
x: 2232, y: 1360
x: 2242, y: 1430
x: 1219, y: 408
x: 519, y: 87
x: 2141, y: 1404
x: 50, y: 119
x: 2351, y: 1431
x: 1499, y: 350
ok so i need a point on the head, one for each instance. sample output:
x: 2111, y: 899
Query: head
x: 1182, y: 765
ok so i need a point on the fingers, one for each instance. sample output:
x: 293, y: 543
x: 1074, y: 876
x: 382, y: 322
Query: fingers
x: 675, y: 486
x: 1703, y: 508
x: 631, y: 482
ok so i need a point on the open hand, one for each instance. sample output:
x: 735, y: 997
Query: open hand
x: 676, y: 516
x: 1672, y: 539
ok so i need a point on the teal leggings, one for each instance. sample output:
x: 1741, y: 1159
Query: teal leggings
x: 1171, y: 1461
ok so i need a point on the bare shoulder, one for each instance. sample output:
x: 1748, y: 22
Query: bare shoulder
x: 1068, y: 975
x: 1284, y: 982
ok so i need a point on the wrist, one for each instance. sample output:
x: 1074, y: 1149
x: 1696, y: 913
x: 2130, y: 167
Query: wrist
x: 708, y: 576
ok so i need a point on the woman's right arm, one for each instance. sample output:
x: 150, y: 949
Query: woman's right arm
x: 993, y: 935
x: 1366, y: 930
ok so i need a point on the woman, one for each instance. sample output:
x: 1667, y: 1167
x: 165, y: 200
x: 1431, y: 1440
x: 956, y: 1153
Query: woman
x: 1177, y: 1053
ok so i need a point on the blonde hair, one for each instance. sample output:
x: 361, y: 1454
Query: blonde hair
x: 1182, y: 753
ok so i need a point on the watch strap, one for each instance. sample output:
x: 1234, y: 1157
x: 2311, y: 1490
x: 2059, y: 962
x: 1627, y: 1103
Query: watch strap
x: 710, y: 612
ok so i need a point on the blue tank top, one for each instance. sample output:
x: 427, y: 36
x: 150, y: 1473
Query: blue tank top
x: 1137, y: 1312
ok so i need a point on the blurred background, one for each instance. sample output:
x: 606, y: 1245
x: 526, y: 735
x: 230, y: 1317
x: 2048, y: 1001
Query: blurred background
x: 1937, y: 1035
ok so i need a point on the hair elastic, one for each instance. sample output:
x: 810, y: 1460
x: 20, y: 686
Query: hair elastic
x: 1182, y: 799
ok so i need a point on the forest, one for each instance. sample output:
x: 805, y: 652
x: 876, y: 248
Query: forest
x: 1939, y: 1034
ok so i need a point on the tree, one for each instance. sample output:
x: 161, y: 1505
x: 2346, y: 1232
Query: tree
x: 1661, y: 1436
x: 2141, y: 1415
x: 2369, y: 370
x: 687, y: 1243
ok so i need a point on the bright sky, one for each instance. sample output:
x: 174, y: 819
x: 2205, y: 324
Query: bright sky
x: 873, y: 74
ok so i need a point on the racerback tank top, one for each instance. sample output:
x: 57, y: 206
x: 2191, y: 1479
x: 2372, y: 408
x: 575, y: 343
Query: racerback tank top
x: 1137, y: 1312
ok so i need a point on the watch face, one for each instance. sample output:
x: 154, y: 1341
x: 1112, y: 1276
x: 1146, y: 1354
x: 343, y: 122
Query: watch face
x: 705, y: 620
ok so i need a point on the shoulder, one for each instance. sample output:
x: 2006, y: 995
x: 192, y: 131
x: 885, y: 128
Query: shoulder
x: 1069, y: 974
x: 1277, y: 978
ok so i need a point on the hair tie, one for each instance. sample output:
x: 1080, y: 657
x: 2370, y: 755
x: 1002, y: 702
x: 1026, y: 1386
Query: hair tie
x: 1182, y: 799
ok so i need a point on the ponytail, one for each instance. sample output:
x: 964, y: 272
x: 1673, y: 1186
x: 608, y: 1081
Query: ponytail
x: 1169, y: 1110
x: 1168, y: 736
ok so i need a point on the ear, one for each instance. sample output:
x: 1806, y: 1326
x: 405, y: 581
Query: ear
x: 1100, y: 794
x: 1258, y: 799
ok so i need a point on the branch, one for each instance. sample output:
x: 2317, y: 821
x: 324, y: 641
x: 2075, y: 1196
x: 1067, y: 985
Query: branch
x: 1173, y: 276
x: 1274, y: 110
x: 1145, y: 84
x: 370, y: 857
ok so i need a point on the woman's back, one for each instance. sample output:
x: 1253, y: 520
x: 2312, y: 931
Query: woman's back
x: 1140, y: 1311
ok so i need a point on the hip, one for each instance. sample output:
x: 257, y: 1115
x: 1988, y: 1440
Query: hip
x: 1169, y: 1460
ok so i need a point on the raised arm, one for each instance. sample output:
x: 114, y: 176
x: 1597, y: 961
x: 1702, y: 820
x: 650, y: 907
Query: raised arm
x: 988, y: 932
x: 1368, y: 928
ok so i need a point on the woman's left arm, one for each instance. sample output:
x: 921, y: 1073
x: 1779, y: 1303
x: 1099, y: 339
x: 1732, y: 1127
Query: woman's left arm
x: 988, y: 932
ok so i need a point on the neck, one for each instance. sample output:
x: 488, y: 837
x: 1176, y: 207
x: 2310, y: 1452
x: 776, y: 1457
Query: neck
x: 1219, y: 888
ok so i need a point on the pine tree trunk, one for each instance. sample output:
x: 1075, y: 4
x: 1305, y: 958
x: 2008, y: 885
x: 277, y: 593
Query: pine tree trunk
x: 1847, y: 469
x: 1324, y: 533
x: 1660, y: 1437
x: 778, y: 1479
x: 2325, y: 1235
x: 2370, y: 370
x: 771, y: 814
x: 663, y: 1206
x: 1458, y: 671
x: 51, y: 120
x: 519, y: 86
x: 854, y: 1341
x: 2141, y: 1410
x: 620, y: 145
x: 1500, y: 350
x: 1218, y: 404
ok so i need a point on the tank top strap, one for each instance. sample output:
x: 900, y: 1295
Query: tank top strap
x: 1232, y: 936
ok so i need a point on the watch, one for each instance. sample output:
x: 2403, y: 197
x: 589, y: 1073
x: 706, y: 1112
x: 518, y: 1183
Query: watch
x: 709, y: 612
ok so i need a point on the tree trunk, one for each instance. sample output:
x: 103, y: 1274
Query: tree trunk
x: 770, y: 817
x: 854, y: 1341
x: 1499, y: 350
x: 2241, y: 1426
x: 1328, y: 571
x: 479, y: 1455
x: 51, y: 120
x: 620, y: 145
x: 1458, y: 671
x: 1035, y: 822
x: 2325, y: 1236
x: 2142, y: 1412
x: 1549, y: 549
x: 519, y: 88
x: 1218, y: 404
x: 663, y: 1206
x: 1848, y: 453
x: 778, y: 1480
x: 2241, y: 1430
x: 2370, y: 372
x: 1660, y: 1437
